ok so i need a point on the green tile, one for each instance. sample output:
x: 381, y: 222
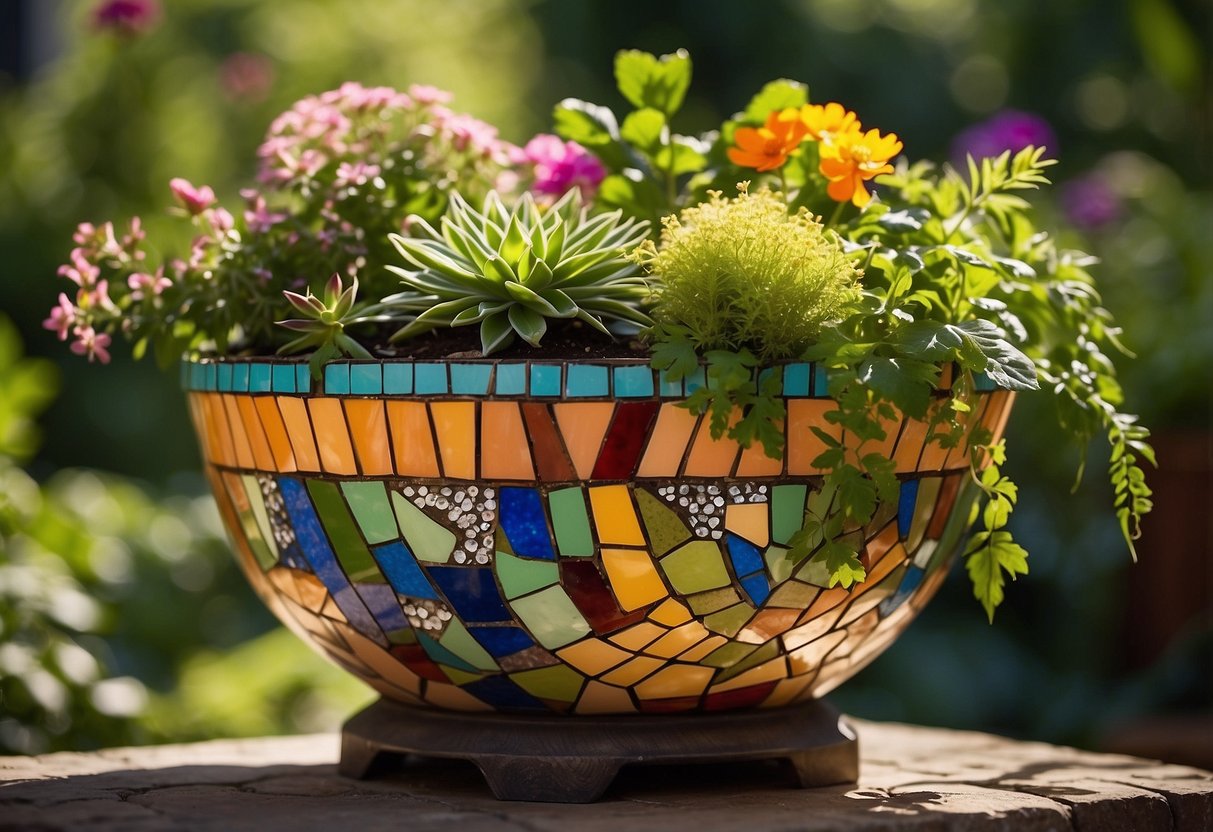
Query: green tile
x: 571, y: 522
x: 441, y: 655
x: 717, y: 599
x: 518, y: 576
x: 551, y: 617
x: 764, y: 653
x: 348, y: 544
x: 787, y: 511
x: 778, y: 563
x: 729, y: 622
x: 793, y: 595
x: 814, y: 572
x: 697, y: 566
x: 728, y: 655
x: 461, y: 677
x: 257, y: 501
x: 369, y: 502
x: 665, y: 528
x: 427, y: 540
x: 459, y: 641
x: 559, y: 682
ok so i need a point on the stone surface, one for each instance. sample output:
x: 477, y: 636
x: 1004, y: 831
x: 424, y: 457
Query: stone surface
x: 911, y: 778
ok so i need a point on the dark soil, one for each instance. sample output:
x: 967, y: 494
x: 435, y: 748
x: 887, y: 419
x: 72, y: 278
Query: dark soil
x: 564, y: 339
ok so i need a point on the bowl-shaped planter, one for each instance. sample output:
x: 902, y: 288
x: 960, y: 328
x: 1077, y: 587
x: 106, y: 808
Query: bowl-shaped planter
x: 559, y: 536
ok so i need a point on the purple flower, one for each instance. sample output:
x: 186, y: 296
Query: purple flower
x: 129, y: 17
x: 560, y: 166
x: 1090, y: 202
x: 194, y: 200
x: 1011, y: 130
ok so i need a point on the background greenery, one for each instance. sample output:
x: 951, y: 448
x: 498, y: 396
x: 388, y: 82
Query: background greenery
x: 123, y: 617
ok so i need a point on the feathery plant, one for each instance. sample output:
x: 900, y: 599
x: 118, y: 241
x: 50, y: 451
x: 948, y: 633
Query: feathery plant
x: 511, y: 270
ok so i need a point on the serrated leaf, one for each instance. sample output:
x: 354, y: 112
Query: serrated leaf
x: 842, y: 562
x: 978, y: 344
x: 989, y: 558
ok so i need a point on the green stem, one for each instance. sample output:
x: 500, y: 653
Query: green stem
x: 834, y: 216
x: 783, y: 186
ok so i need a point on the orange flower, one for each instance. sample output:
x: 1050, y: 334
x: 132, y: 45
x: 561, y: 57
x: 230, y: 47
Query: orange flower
x: 824, y: 121
x: 850, y: 159
x: 768, y: 147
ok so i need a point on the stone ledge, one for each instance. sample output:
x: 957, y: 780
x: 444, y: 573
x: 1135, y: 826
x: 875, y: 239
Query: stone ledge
x: 912, y: 778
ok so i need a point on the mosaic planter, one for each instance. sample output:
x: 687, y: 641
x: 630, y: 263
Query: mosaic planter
x: 559, y: 537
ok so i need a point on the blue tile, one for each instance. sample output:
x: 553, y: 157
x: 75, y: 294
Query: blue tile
x: 240, y: 377
x: 511, y: 379
x: 633, y: 381
x: 744, y: 554
x: 398, y: 378
x: 402, y: 571
x: 259, y: 378
x: 500, y: 692
x: 695, y: 380
x: 282, y: 378
x: 796, y: 380
x: 366, y: 379
x: 441, y: 655
x: 905, y: 507
x: 757, y: 588
x: 383, y: 604
x: 821, y: 381
x: 471, y: 592
x: 525, y: 524
x: 766, y: 374
x: 982, y: 383
x: 670, y: 388
x: 212, y: 377
x: 587, y: 380
x: 502, y: 641
x: 303, y: 378
x: 429, y: 378
x: 225, y: 378
x: 545, y: 379
x: 905, y: 589
x: 336, y: 378
x: 470, y: 379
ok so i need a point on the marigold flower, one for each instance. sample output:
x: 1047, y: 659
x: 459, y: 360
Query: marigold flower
x: 824, y: 121
x: 768, y: 147
x: 850, y: 159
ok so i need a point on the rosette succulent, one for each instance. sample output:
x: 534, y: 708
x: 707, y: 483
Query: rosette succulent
x: 511, y: 270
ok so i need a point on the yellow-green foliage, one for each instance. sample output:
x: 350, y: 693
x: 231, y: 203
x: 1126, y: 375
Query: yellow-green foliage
x: 746, y: 273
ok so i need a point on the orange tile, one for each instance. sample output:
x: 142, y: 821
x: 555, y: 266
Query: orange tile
x: 593, y: 656
x: 219, y: 438
x: 633, y: 671
x: 803, y: 444
x: 703, y: 648
x: 235, y: 490
x: 201, y: 429
x: 749, y: 520
x: 455, y: 427
x: 786, y: 692
x: 633, y: 577
x: 368, y: 429
x: 826, y: 600
x: 244, y: 450
x: 638, y: 635
x: 668, y: 443
x: 256, y: 433
x: 934, y: 455
x: 676, y: 680
x: 275, y: 433
x: 958, y: 457
x: 678, y: 640
x: 583, y: 426
x: 711, y: 457
x: 412, y: 439
x: 671, y: 613
x: 879, y: 545
x: 505, y: 453
x: 599, y: 698
x: 910, y: 446
x: 299, y: 428
x: 332, y: 436
x: 755, y: 462
x: 999, y: 412
x: 770, y: 671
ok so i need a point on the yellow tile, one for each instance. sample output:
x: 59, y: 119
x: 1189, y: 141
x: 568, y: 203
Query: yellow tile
x: 368, y: 429
x: 615, y: 517
x: 749, y: 520
x: 583, y: 426
x: 810, y: 657
x: 332, y: 436
x: 244, y: 451
x: 599, y: 698
x: 262, y: 456
x: 671, y: 613
x: 633, y: 577
x: 505, y: 451
x: 593, y: 656
x: 678, y: 640
x: 638, y: 635
x: 803, y: 445
x: 455, y: 427
x: 770, y: 671
x: 275, y: 433
x: 712, y: 457
x: 633, y: 671
x: 676, y: 680
x: 299, y: 429
x: 668, y: 443
x: 787, y: 692
x: 412, y: 439
x: 700, y: 650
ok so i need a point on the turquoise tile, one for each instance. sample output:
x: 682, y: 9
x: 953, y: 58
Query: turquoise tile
x: 366, y: 379
x: 303, y: 378
x: 283, y: 378
x: 210, y: 376
x: 511, y: 379
x: 398, y: 378
x: 225, y: 378
x: 696, y: 380
x: 633, y: 381
x: 259, y: 378
x: 670, y: 388
x: 336, y: 378
x: 796, y: 380
x: 821, y: 381
x: 197, y: 377
x: 767, y: 373
x: 982, y: 383
x: 240, y: 377
x: 545, y: 379
x: 430, y: 378
x: 470, y: 379
x: 587, y: 380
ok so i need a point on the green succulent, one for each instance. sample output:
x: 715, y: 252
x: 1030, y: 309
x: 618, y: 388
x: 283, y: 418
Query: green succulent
x: 510, y: 271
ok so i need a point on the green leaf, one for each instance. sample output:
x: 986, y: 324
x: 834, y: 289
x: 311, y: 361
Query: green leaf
x: 647, y: 81
x: 775, y: 95
x: 674, y: 353
x: 636, y: 197
x: 842, y: 562
x: 684, y: 155
x: 988, y: 558
x: 529, y: 325
x: 978, y: 345
x: 903, y: 381
x: 594, y: 127
x: 643, y: 128
x: 496, y: 332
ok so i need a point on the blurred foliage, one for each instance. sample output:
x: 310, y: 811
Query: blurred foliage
x: 100, y: 129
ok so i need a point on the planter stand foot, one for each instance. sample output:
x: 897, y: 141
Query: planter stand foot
x: 562, y: 759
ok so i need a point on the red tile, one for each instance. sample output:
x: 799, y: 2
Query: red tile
x: 625, y: 440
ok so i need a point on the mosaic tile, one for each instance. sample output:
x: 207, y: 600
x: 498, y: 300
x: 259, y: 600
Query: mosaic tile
x: 403, y: 572
x: 528, y: 659
x: 694, y: 381
x: 369, y: 434
x: 667, y: 445
x: 545, y: 379
x: 906, y: 503
x: 560, y: 683
x: 749, y: 521
x: 332, y: 436
x: 821, y: 381
x: 429, y: 379
x: 633, y: 382
x: 614, y: 516
x: 634, y: 577
x: 525, y: 523
x: 669, y: 388
x: 593, y: 656
x: 459, y: 641
x: 787, y: 511
x: 397, y: 378
x: 551, y: 617
x: 336, y: 378
x: 275, y: 434
x: 471, y: 592
x: 470, y: 379
x: 369, y: 503
x: 796, y: 380
x: 625, y: 440
x: 678, y: 640
x: 428, y: 540
x: 303, y: 378
x: 746, y: 557
x: 633, y: 671
x: 730, y: 621
x: 503, y: 641
x: 511, y: 379
x: 240, y: 377
x: 586, y: 380
x: 259, y: 379
x: 675, y: 680
x: 299, y: 430
x: 803, y: 445
x: 505, y: 453
x: 757, y: 588
x: 550, y: 457
x: 441, y: 655
x: 665, y: 528
x: 343, y: 532
x: 366, y: 379
x: 583, y: 426
x: 670, y: 613
x: 455, y: 429
x: 240, y: 443
x: 282, y: 378
x: 502, y: 693
x: 589, y: 592
x: 519, y: 576
x: 571, y: 522
x: 711, y: 457
x: 695, y: 567
x: 412, y: 441
x: 263, y: 459
x: 382, y: 603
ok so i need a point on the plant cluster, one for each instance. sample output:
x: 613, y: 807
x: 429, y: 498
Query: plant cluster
x: 921, y: 279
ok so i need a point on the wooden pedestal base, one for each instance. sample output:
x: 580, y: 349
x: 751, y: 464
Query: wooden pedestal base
x: 562, y: 759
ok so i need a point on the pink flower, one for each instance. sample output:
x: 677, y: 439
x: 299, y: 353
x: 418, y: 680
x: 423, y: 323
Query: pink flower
x: 129, y: 17
x: 470, y: 133
x: 98, y: 296
x: 258, y: 217
x: 143, y: 284
x: 222, y: 221
x: 425, y: 95
x: 62, y: 317
x: 195, y: 200
x: 358, y: 173
x: 246, y: 76
x: 91, y: 343
x: 81, y: 271
x: 561, y: 166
